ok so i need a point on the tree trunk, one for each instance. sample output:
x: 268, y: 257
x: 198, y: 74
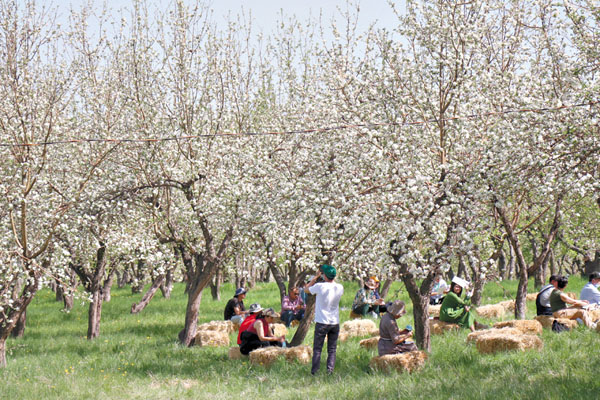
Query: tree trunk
x: 512, y: 263
x: 19, y: 329
x: 188, y: 334
x: 386, y: 288
x: 94, y: 315
x: 309, y: 315
x: 215, y: 285
x: 278, y: 279
x: 462, y: 269
x: 501, y: 264
x: 167, y: 285
x: 2, y: 351
x: 68, y: 303
x: 421, y: 320
x: 106, y: 290
x: 59, y: 290
x: 123, y: 278
x: 137, y: 307
x: 552, y: 263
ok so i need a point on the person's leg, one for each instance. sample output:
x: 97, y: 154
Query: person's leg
x: 361, y: 310
x: 575, y: 313
x: 237, y: 319
x: 287, y: 317
x: 317, y: 347
x: 299, y: 315
x: 332, y: 337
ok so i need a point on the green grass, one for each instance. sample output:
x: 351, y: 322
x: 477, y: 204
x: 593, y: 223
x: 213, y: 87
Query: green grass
x: 137, y: 357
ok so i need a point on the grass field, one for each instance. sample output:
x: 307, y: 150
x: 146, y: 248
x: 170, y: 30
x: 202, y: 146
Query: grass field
x: 137, y: 357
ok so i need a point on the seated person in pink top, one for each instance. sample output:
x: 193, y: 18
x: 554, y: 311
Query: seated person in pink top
x: 292, y: 307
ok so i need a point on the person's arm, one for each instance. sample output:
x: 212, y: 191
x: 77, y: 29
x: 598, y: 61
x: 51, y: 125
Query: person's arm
x: 285, y: 304
x: 312, y: 282
x: 258, y: 325
x: 570, y: 300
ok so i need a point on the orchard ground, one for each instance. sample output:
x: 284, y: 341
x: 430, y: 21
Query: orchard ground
x: 137, y: 357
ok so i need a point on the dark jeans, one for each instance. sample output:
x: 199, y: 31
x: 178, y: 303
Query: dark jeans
x: 366, y: 308
x: 332, y: 332
x: 250, y: 341
x: 288, y: 316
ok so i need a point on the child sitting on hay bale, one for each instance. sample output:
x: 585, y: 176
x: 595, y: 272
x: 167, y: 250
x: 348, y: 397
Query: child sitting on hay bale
x: 391, y: 339
x: 455, y: 309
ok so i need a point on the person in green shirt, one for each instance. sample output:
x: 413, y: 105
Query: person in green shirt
x: 455, y: 309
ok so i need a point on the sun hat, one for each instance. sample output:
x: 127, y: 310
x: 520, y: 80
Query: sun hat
x: 329, y: 271
x: 269, y: 312
x: 370, y: 283
x: 254, y: 308
x: 375, y: 279
x: 395, y: 307
x: 460, y: 282
x: 239, y: 291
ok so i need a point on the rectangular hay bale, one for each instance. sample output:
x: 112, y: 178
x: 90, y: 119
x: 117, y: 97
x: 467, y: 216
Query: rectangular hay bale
x: 279, y: 329
x: 302, y: 354
x: 222, y: 326
x: 491, y: 311
x: 370, y: 343
x: 434, y: 311
x: 493, y: 343
x: 266, y: 356
x: 211, y: 339
x: 358, y: 328
x: 472, y: 337
x: 438, y: 327
x: 235, y: 354
x: 409, y: 362
x: 528, y: 326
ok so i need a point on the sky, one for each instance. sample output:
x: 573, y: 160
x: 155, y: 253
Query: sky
x: 265, y: 12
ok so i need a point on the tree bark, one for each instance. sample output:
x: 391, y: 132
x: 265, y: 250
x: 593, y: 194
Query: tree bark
x: 59, y: 291
x: 2, y: 352
x: 94, y: 315
x: 137, y: 307
x: 385, y: 288
x: 19, y: 330
x: 304, y: 326
x: 106, y: 289
x: 167, y: 285
x: 215, y: 285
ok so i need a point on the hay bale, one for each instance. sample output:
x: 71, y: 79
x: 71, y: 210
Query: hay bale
x: 370, y: 343
x: 359, y: 328
x: 527, y: 326
x: 546, y: 321
x: 572, y: 295
x: 302, y: 354
x: 531, y: 296
x: 221, y: 326
x: 438, y: 327
x: 295, y: 323
x: 279, y: 329
x: 408, y: 362
x: 491, y: 311
x: 509, y: 305
x: 266, y: 356
x: 594, y: 314
x: 434, y: 311
x: 472, y: 337
x: 235, y: 354
x: 495, y: 342
x: 211, y: 338
x: 342, y: 337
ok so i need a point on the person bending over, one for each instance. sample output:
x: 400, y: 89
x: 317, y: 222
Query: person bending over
x: 260, y: 334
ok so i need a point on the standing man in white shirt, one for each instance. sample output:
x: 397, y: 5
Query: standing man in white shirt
x: 327, y: 315
x: 590, y: 290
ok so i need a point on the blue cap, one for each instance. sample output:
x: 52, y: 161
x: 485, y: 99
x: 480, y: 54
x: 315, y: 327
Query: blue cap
x: 239, y: 291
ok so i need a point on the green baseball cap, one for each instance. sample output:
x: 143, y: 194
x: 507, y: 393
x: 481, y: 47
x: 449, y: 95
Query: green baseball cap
x: 329, y: 271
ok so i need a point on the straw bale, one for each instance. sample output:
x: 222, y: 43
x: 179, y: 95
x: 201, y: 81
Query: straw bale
x: 527, y: 326
x: 295, y: 323
x: 342, y: 337
x: 531, y: 296
x: 266, y: 356
x: 434, y: 311
x: 370, y: 343
x: 472, y: 337
x: 235, y: 354
x: 438, y: 327
x: 546, y: 321
x: 572, y: 295
x: 359, y: 327
x: 211, y: 338
x: 408, y: 362
x: 302, y: 354
x: 279, y: 330
x: 491, y: 311
x: 509, y: 305
x: 494, y: 342
x: 594, y: 314
x: 222, y: 326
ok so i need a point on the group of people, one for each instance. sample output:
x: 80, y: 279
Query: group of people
x: 552, y: 300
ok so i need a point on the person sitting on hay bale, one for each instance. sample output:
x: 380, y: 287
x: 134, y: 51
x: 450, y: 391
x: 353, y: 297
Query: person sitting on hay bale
x: 590, y: 292
x: 292, y: 307
x: 391, y: 339
x: 559, y: 301
x: 259, y: 334
x: 456, y: 310
x: 440, y: 288
x: 542, y: 301
x: 366, y: 301
x: 234, y: 309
